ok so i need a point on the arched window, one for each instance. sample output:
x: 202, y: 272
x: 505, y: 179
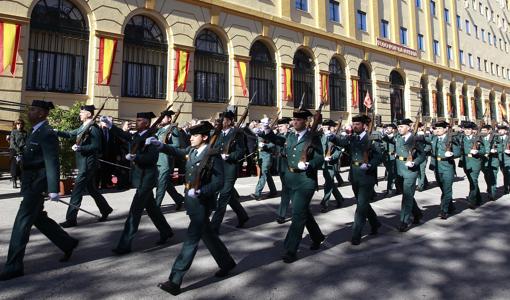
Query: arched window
x: 144, y: 61
x: 439, y: 98
x: 492, y: 101
x: 396, y: 96
x: 364, y: 87
x: 465, y: 101
x: 303, y: 80
x: 424, y: 93
x: 478, y: 104
x: 211, y: 68
x: 337, y: 86
x: 262, y: 75
x: 58, y: 48
x: 453, y: 100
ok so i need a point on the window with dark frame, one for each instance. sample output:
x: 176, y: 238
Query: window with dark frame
x: 337, y: 86
x: 304, y: 80
x: 424, y: 93
x: 334, y: 10
x: 362, y: 20
x: 302, y: 5
x: 58, y: 48
x: 262, y: 75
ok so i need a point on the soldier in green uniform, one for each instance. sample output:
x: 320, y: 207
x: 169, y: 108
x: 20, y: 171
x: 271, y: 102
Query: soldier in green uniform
x: 408, y: 157
x: 228, y: 195
x: 490, y: 161
x: 40, y: 176
x: 389, y: 159
x: 331, y: 156
x: 365, y: 154
x: 266, y: 151
x: 166, y: 163
x: 472, y: 151
x: 444, y: 152
x: 422, y: 176
x: 87, y: 164
x: 301, y: 179
x: 504, y: 156
x: 143, y: 177
x: 283, y: 167
x: 199, y: 204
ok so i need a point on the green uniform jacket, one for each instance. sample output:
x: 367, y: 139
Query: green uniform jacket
x: 490, y: 159
x: 283, y: 166
x: 143, y: 169
x: 209, y: 186
x: 236, y: 151
x: 402, y: 148
x: 294, y: 177
x: 166, y: 162
x: 41, y: 169
x: 267, y: 151
x: 438, y: 150
x: 389, y: 149
x: 336, y: 152
x: 504, y: 158
x: 90, y: 148
x: 468, y: 160
x: 17, y: 140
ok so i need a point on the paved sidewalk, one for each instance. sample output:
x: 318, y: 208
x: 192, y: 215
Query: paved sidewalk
x: 464, y: 257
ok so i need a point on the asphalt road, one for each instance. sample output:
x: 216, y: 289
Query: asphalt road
x: 464, y: 257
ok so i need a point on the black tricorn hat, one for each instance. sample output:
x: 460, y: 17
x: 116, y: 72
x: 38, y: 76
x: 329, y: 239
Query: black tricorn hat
x: 203, y: 127
x: 228, y: 114
x: 407, y: 122
x: 328, y: 122
x: 43, y: 104
x: 168, y: 113
x: 146, y: 115
x: 89, y: 108
x: 502, y: 126
x: 361, y: 118
x: 284, y: 120
x: 468, y: 125
x: 487, y: 126
x: 302, y: 114
x: 442, y: 124
x: 392, y: 125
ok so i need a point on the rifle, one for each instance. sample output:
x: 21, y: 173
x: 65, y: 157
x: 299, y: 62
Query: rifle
x: 415, y: 130
x: 302, y: 103
x: 330, y: 144
x: 174, y: 124
x: 238, y: 125
x: 275, y: 119
x: 369, y: 132
x: 85, y: 132
x: 150, y: 131
x: 308, y: 148
x: 449, y: 139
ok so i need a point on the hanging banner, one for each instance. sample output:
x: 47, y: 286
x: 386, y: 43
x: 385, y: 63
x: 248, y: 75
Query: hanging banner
x: 181, y: 70
x: 355, y: 93
x: 9, y: 43
x: 434, y: 102
x: 367, y: 101
x: 449, y: 104
x: 325, y: 88
x: 287, y: 84
x: 473, y: 108
x: 502, y: 109
x: 461, y: 108
x: 241, y: 70
x: 107, y: 49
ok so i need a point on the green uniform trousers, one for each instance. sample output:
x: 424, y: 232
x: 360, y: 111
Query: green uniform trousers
x: 330, y: 187
x: 265, y: 176
x: 228, y: 196
x: 409, y: 208
x: 165, y: 185
x: 199, y: 229
x: 391, y: 172
x: 490, y: 174
x: 474, y: 196
x: 364, y: 194
x: 285, y: 198
x: 422, y: 177
x: 445, y: 182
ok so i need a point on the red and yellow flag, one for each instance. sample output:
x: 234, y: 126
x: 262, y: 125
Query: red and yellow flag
x: 325, y: 88
x: 9, y: 42
x: 181, y: 69
x: 107, y: 49
x: 461, y: 106
x: 434, y: 102
x: 449, y: 103
x: 355, y: 93
x: 241, y: 70
x: 287, y: 84
x: 473, y: 107
x: 502, y: 109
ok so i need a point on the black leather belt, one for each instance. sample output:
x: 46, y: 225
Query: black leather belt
x: 294, y: 170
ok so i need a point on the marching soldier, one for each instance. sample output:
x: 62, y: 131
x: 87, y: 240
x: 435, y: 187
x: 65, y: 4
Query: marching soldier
x: 283, y: 167
x: 228, y: 194
x: 490, y: 161
x: 444, y: 151
x: 408, y: 157
x: 301, y: 179
x: 265, y: 161
x: 40, y: 175
x: 87, y: 153
x: 365, y: 157
x: 331, y: 156
x: 504, y: 156
x: 472, y: 151
x: 143, y: 176
x: 422, y: 176
x: 389, y: 159
x: 166, y: 163
x: 199, y: 203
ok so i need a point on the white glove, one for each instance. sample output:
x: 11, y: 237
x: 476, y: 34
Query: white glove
x: 224, y: 156
x: 150, y: 140
x: 507, y: 151
x: 130, y: 156
x: 448, y: 154
x: 54, y: 197
x: 257, y: 131
x: 303, y: 165
x: 261, y: 145
x: 420, y: 133
x: 473, y: 151
x: 327, y: 158
x: 264, y: 122
x: 364, y: 166
x: 410, y: 164
x: 193, y: 193
x: 18, y: 158
x: 106, y: 121
x: 390, y: 135
x: 343, y: 133
x: 76, y: 148
x: 494, y: 151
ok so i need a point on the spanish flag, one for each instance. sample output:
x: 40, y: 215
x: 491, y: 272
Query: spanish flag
x: 461, y: 108
x: 434, y: 102
x: 9, y: 42
x: 355, y: 93
x: 287, y: 84
x: 325, y: 88
x: 449, y: 104
x: 241, y: 70
x: 181, y: 69
x: 473, y: 106
x: 107, y: 49
x: 503, y: 111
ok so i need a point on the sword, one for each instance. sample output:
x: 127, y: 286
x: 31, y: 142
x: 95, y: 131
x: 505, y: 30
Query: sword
x: 74, y: 206
x: 113, y: 164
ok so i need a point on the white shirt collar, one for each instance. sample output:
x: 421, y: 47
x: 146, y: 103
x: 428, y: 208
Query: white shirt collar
x: 362, y: 134
x: 201, y: 149
x: 38, y: 125
x: 301, y: 133
x: 406, y: 136
x: 226, y: 131
x: 143, y: 132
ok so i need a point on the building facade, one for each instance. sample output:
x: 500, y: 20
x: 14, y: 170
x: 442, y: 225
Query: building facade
x: 445, y: 58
